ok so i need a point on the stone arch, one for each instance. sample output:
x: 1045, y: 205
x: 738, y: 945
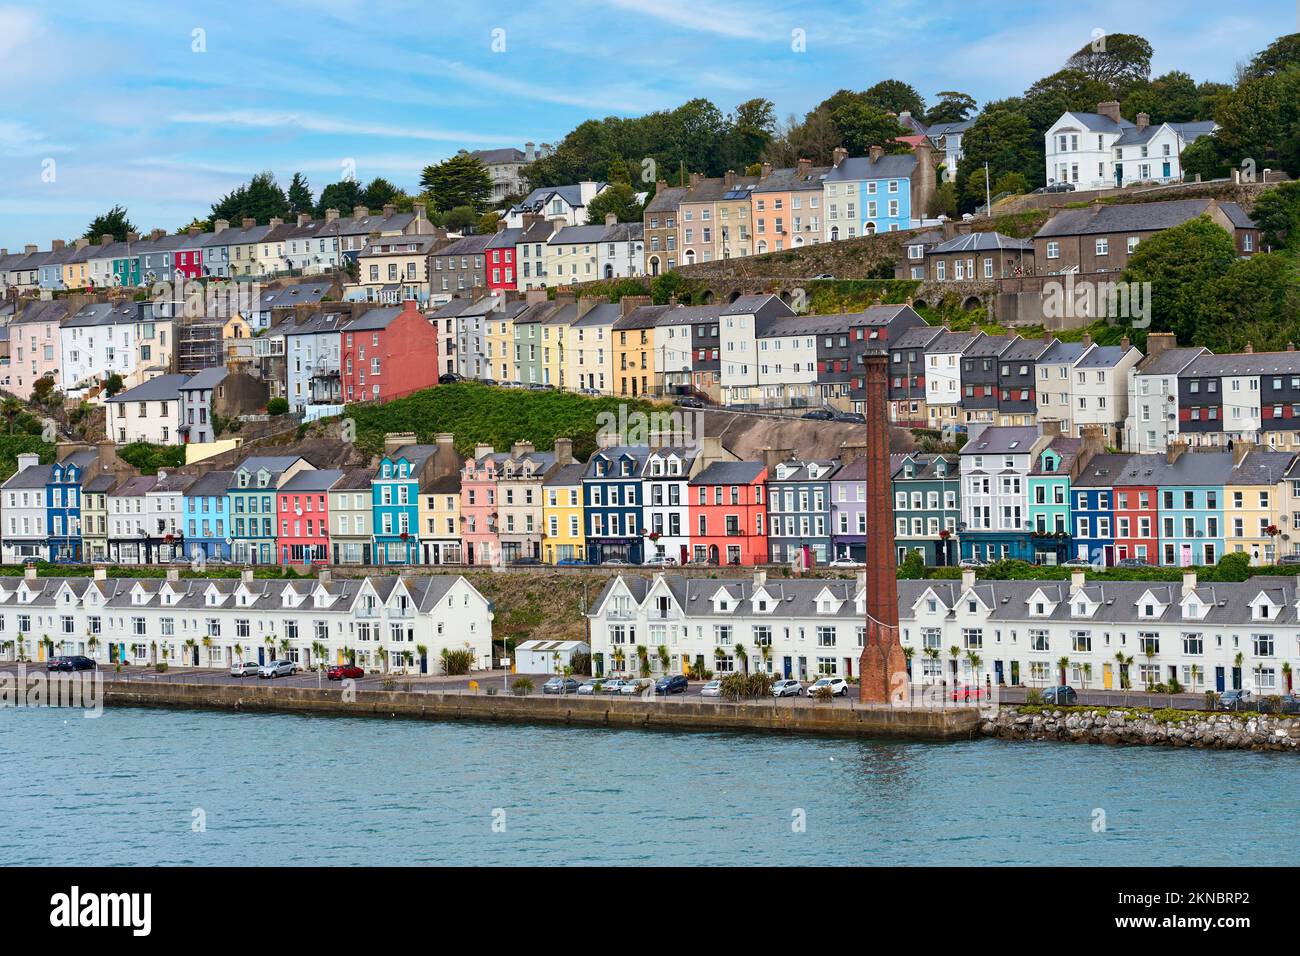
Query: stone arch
x: 706, y: 297
x: 785, y: 296
x: 654, y: 265
x: 971, y: 303
x: 736, y: 294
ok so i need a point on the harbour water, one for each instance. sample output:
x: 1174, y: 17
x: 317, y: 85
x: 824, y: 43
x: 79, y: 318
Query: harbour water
x: 143, y: 787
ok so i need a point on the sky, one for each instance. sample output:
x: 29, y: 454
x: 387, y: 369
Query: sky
x: 164, y: 107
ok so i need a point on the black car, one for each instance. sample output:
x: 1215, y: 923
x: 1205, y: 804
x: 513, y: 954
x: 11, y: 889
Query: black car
x: 1059, y: 188
x: 1063, y: 695
x: 448, y: 378
x: 1236, y: 700
x: 541, y: 387
x: 488, y: 381
x: 856, y: 418
x: 674, y: 684
x: 688, y: 401
x: 525, y: 562
x: 69, y: 662
x: 819, y: 415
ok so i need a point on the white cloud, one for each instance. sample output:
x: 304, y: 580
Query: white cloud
x: 739, y: 22
x: 274, y: 119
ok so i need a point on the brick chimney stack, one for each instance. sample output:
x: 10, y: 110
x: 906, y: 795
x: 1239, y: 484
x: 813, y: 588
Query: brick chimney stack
x: 839, y: 155
x: 882, y: 656
x: 1110, y: 109
x: 876, y: 153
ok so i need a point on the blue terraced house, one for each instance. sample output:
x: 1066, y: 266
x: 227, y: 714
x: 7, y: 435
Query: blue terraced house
x: 864, y: 195
x: 1191, y: 506
x: 612, y: 503
x: 1049, y: 500
x: 206, y: 517
x: 63, y: 505
x: 251, y: 505
x: 395, y: 503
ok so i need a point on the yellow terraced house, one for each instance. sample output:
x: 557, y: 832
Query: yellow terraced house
x: 439, y: 517
x: 589, y: 354
x: 562, y: 532
x: 633, y: 358
x: 555, y: 342
x: 1255, y: 495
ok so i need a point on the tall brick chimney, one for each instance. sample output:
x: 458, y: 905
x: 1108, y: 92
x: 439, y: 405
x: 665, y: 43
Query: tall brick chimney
x: 882, y: 656
x: 1110, y: 109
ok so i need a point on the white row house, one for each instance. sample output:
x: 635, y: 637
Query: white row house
x: 801, y: 629
x: 391, y: 623
x: 1114, y: 634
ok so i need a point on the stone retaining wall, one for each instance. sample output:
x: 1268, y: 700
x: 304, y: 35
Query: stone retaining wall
x: 954, y: 723
x: 1224, y: 731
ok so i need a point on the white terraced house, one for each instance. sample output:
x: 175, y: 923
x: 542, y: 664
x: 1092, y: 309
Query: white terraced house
x: 213, y: 622
x: 809, y: 627
x: 1212, y: 636
x: 1207, y: 636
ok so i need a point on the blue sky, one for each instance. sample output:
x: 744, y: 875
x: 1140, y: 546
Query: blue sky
x: 110, y: 102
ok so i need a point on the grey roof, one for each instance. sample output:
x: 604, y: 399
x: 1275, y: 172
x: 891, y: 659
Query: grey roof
x: 164, y: 388
x: 1002, y: 440
x: 578, y: 235
x: 1104, y: 356
x: 34, y: 476
x: 925, y: 467
x: 212, y: 485
x: 1190, y: 132
x: 829, y: 467
x: 1101, y: 124
x: 206, y: 378
x: 570, y: 474
x: 313, y: 479
x: 917, y: 337
x: 1066, y: 448
x: 667, y: 199
x: 467, y: 246
x: 983, y: 242
x: 1100, y: 218
x: 1261, y: 467
x: 729, y: 473
x: 354, y: 479
x: 990, y: 345
x: 292, y: 295
x: 1063, y: 353
x: 889, y: 166
x: 506, y: 238
x: 571, y: 194
x: 1170, y: 361
x: 1245, y: 363
x: 694, y: 595
x: 497, y: 157
x: 606, y: 313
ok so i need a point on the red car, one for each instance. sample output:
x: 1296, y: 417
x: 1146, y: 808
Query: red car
x: 340, y: 671
x: 968, y: 693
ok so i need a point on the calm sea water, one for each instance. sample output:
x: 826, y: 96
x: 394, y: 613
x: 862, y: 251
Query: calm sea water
x: 282, y: 789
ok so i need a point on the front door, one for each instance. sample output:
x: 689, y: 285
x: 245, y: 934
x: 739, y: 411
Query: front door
x: 1236, y: 678
x: 785, y: 667
x: 803, y: 668
x: 261, y: 655
x: 1015, y: 673
x: 997, y: 671
x: 1107, y: 677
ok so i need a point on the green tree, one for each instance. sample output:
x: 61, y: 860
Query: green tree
x: 461, y: 218
x: 379, y: 192
x: 1008, y: 143
x: 1260, y: 121
x: 460, y: 180
x: 112, y: 223
x: 1063, y: 91
x: 1201, y: 158
x: 344, y: 195
x: 113, y: 384
x: 1181, y: 263
x: 1283, y: 53
x: 618, y: 199
x: 261, y: 199
x: 1012, y: 182
x: 750, y: 129
x: 1119, y: 60
x: 953, y: 107
x: 299, y: 195
x: 1254, y: 302
x: 1277, y: 213
x: 895, y: 96
x: 863, y: 125
x: 1171, y: 98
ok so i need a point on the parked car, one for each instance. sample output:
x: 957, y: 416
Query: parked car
x: 1063, y: 695
x: 688, y: 401
x: 1236, y: 700
x: 712, y: 689
x: 787, y: 687
x: 819, y: 415
x: 541, y: 387
x: 448, y: 378
x: 1077, y: 563
x: 856, y: 418
x: 838, y: 685
x: 590, y: 686
x: 341, y: 671
x: 488, y: 381
x: 70, y: 662
x: 590, y: 391
x: 561, y: 685
x: 244, y: 669
x: 275, y: 669
x: 967, y: 693
x: 661, y: 561
x: 615, y: 563
x: 526, y: 562
x: 1055, y: 188
x: 823, y: 275
x: 1289, y: 559
x: 571, y: 563
x: 847, y: 563
x: 633, y: 687
x: 1131, y: 563
x: 973, y: 563
x: 612, y: 685
x: 672, y: 684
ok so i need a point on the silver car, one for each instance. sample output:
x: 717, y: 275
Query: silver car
x: 277, y: 669
x: 787, y: 687
x: 243, y: 669
x: 712, y: 689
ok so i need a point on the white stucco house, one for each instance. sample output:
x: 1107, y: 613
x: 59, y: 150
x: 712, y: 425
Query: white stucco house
x: 1103, y: 150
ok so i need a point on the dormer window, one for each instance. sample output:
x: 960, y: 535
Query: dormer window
x: 973, y: 607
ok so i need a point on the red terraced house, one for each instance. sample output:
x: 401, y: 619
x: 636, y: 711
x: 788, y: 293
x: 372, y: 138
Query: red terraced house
x: 727, y: 512
x: 302, y: 516
x: 502, y: 274
x: 387, y: 353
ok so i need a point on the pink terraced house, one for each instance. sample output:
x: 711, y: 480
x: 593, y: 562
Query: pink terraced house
x: 478, y: 505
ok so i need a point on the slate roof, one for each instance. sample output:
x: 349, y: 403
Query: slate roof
x: 312, y: 479
x: 1245, y: 363
x: 164, y: 388
x: 1170, y: 361
x: 798, y: 598
x: 729, y: 473
x: 1002, y: 440
x: 212, y: 485
x: 1101, y: 218
x: 667, y: 199
x: 983, y: 242
x: 889, y: 166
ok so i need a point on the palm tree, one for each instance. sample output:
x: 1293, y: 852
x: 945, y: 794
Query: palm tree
x: 743, y: 656
x: 318, y: 652
x: 207, y: 647
x: 190, y: 645
x: 1286, y: 672
x: 382, y: 653
x: 1087, y: 673
x: 1063, y: 663
x: 975, y: 662
x: 420, y: 649
x: 1237, y: 664
x: 664, y: 658
x: 1124, y: 664
x: 908, y: 653
x: 1150, y: 652
x: 284, y: 648
x: 239, y: 653
x: 954, y: 653
x: 932, y: 653
x: 92, y: 644
x: 11, y: 408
